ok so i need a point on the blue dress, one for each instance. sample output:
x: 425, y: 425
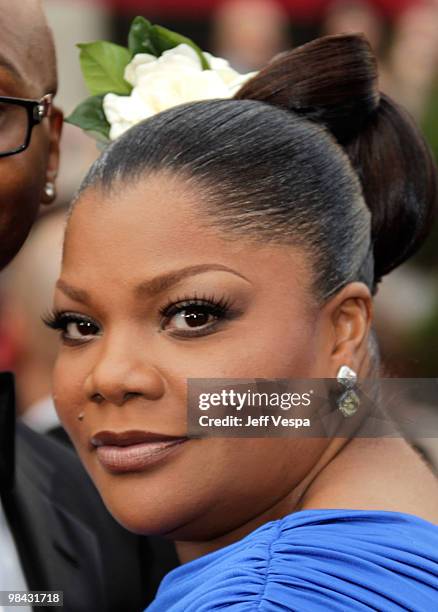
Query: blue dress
x: 314, y: 561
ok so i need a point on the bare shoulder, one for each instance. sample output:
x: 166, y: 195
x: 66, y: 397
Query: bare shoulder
x: 378, y: 474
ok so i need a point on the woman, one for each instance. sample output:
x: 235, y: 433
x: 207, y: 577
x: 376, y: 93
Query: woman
x: 243, y: 239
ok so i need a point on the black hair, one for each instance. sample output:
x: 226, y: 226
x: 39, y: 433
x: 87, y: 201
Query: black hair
x: 308, y: 152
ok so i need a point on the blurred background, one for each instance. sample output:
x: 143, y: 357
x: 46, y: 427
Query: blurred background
x: 404, y: 35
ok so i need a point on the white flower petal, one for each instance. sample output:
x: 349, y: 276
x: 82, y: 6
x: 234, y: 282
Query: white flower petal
x: 111, y: 107
x: 124, y: 111
x: 159, y: 92
x: 119, y: 128
x: 182, y: 50
x: 209, y: 85
x: 138, y: 60
x: 216, y: 63
x: 239, y: 82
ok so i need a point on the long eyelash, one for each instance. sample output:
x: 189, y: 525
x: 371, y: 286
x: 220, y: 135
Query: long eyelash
x: 221, y: 307
x: 58, y: 320
x: 53, y: 319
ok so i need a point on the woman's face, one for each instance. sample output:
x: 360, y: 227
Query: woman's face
x: 133, y: 259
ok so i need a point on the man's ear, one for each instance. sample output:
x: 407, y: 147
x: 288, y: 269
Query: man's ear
x: 350, y: 315
x: 55, y: 130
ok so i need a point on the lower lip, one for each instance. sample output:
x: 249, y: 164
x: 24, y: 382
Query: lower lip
x: 136, y: 457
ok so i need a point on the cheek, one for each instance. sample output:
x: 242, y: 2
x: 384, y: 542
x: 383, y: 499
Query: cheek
x: 21, y: 184
x: 68, y: 394
x: 22, y: 179
x: 280, y: 349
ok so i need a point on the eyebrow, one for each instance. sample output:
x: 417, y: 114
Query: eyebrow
x: 155, y: 286
x: 78, y: 295
x: 10, y: 67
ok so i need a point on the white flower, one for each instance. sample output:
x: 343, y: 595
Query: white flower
x: 122, y: 112
x: 160, y: 83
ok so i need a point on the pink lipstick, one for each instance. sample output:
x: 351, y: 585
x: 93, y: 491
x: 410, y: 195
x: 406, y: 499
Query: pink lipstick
x: 133, y: 451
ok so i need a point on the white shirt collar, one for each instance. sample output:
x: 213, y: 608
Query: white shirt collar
x: 11, y: 573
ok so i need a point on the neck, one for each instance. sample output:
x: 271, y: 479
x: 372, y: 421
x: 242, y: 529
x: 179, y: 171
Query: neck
x: 292, y: 502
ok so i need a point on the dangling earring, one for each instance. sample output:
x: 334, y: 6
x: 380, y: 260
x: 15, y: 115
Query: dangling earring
x: 81, y: 416
x: 349, y: 401
x: 49, y: 192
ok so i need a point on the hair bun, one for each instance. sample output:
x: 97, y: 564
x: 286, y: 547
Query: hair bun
x: 331, y: 80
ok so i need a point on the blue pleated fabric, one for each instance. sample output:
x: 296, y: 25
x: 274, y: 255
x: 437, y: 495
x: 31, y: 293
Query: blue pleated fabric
x: 314, y: 561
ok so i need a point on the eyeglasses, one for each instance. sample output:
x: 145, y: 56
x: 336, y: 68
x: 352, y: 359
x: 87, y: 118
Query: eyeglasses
x: 18, y: 116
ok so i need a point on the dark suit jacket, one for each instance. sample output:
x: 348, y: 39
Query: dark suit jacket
x: 65, y: 537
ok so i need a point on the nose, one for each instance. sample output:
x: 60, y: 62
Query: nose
x: 121, y: 372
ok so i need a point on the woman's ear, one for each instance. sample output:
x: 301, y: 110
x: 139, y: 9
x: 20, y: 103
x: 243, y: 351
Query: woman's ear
x: 348, y: 315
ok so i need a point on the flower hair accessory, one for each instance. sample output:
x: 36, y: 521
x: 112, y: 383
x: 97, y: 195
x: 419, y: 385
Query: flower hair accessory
x: 158, y: 70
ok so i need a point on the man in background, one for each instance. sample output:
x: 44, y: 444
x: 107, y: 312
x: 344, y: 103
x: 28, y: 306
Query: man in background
x: 55, y: 533
x: 249, y: 33
x: 30, y: 348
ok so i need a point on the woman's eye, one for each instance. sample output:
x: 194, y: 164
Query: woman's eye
x: 193, y: 317
x: 72, y: 327
x: 80, y: 330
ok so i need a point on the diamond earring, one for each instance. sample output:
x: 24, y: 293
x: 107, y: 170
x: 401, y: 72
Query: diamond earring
x: 349, y: 401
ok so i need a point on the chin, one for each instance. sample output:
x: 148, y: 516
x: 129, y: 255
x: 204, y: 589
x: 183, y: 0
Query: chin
x: 144, y: 519
x: 151, y: 510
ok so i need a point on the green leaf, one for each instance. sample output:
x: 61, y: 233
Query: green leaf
x: 164, y: 39
x: 103, y: 66
x: 139, y: 37
x: 90, y: 117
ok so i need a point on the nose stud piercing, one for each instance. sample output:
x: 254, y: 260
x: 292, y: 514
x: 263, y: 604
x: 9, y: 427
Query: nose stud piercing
x: 81, y: 416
